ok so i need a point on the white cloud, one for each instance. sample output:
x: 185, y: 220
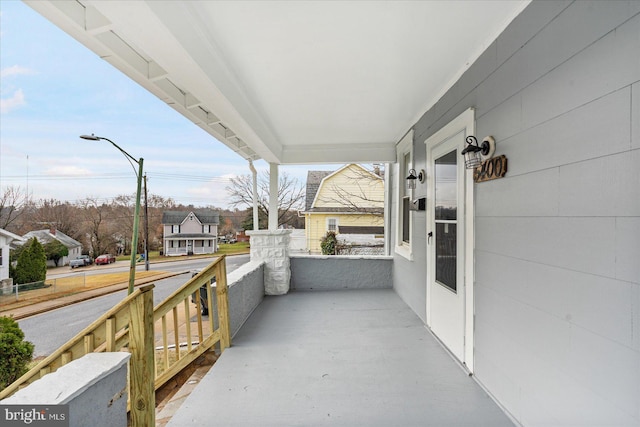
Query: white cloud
x: 67, y: 170
x: 12, y: 103
x: 15, y: 70
x: 198, y: 191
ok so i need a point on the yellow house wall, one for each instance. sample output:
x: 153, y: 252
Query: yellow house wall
x: 316, y: 226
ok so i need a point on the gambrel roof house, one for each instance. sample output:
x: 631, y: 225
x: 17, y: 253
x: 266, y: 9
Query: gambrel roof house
x: 524, y: 269
x: 348, y: 201
x: 190, y: 232
x: 48, y: 235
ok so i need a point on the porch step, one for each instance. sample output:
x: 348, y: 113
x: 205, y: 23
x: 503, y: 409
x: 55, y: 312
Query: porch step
x: 170, y: 396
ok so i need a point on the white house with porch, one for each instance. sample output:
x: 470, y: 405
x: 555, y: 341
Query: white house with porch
x: 190, y: 232
x: 513, y: 286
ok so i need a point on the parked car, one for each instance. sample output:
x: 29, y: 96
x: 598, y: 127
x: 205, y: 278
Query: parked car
x: 81, y: 261
x: 105, y: 259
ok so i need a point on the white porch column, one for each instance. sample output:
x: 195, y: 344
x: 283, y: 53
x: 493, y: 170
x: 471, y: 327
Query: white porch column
x: 254, y: 173
x: 272, y: 247
x: 273, y: 196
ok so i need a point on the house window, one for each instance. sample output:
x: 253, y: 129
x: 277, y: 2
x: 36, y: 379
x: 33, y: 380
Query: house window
x: 0, y: 257
x: 403, y: 201
x: 332, y: 224
x: 406, y: 201
x: 206, y: 228
x: 175, y: 228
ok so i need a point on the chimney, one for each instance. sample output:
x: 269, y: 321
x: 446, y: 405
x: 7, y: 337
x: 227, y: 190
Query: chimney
x: 52, y: 231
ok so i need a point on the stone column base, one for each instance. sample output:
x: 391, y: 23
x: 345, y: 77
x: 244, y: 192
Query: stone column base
x: 272, y: 247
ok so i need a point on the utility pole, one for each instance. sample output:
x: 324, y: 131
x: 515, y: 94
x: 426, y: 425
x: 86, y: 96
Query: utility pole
x: 146, y: 227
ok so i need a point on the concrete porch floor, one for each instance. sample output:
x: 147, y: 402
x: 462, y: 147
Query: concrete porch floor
x: 341, y: 358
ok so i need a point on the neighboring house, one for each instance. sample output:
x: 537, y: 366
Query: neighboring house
x: 242, y: 236
x: 349, y: 201
x: 46, y: 236
x: 190, y: 232
x: 6, y: 239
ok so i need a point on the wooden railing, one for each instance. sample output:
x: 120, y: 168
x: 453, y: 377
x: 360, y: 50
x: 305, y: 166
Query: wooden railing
x: 133, y: 325
x: 182, y: 331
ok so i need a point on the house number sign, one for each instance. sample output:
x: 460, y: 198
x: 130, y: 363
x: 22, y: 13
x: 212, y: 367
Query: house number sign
x: 493, y: 168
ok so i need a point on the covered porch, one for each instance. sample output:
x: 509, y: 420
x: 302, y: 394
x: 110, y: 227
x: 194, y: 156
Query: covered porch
x: 546, y: 313
x: 190, y: 244
x: 337, y: 357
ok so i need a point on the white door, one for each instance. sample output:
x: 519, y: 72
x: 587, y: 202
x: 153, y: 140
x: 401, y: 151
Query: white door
x: 450, y: 243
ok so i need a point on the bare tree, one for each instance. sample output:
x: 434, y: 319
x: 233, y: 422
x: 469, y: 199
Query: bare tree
x: 290, y: 194
x: 123, y: 208
x: 156, y: 205
x: 100, y: 236
x: 63, y: 216
x: 12, y: 202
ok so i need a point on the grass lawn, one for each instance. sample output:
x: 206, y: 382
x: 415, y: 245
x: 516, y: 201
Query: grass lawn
x: 70, y: 285
x: 233, y: 248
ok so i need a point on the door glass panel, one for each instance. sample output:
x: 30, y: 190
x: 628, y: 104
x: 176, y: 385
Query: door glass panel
x: 446, y: 205
x: 406, y: 233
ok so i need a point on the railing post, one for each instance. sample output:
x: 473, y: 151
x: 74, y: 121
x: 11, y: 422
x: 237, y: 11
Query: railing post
x: 142, y: 373
x: 222, y: 296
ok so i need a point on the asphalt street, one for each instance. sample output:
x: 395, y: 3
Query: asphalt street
x: 48, y: 331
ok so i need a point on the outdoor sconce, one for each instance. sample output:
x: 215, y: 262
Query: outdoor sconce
x: 412, y: 178
x: 475, y: 154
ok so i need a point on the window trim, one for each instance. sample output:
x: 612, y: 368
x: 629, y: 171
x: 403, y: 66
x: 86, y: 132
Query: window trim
x: 337, y: 223
x: 404, y: 147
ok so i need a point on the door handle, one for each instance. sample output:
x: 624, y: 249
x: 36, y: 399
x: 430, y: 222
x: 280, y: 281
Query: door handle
x: 429, y: 236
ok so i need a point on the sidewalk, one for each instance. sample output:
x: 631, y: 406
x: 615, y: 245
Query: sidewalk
x: 20, y: 312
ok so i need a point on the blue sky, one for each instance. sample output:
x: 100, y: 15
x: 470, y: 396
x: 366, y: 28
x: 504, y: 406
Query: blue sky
x: 53, y: 89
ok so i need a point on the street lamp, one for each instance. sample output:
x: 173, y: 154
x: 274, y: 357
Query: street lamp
x: 136, y: 217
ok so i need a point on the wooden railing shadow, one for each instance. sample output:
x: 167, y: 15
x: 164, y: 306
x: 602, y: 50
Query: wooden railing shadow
x: 162, y: 340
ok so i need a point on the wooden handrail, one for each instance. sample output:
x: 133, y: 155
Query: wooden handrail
x: 179, y: 300
x: 133, y: 324
x: 187, y: 289
x: 57, y: 358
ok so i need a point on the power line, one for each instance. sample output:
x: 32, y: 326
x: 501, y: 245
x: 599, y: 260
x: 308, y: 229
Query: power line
x: 159, y: 176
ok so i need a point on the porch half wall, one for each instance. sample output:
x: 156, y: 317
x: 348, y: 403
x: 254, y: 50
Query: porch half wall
x: 323, y: 273
x: 557, y: 241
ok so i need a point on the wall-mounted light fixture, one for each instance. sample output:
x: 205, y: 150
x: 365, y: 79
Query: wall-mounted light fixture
x: 412, y: 178
x: 475, y: 154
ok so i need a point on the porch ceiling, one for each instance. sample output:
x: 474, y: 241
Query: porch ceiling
x: 291, y: 82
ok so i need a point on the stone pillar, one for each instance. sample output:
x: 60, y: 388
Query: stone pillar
x: 272, y: 247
